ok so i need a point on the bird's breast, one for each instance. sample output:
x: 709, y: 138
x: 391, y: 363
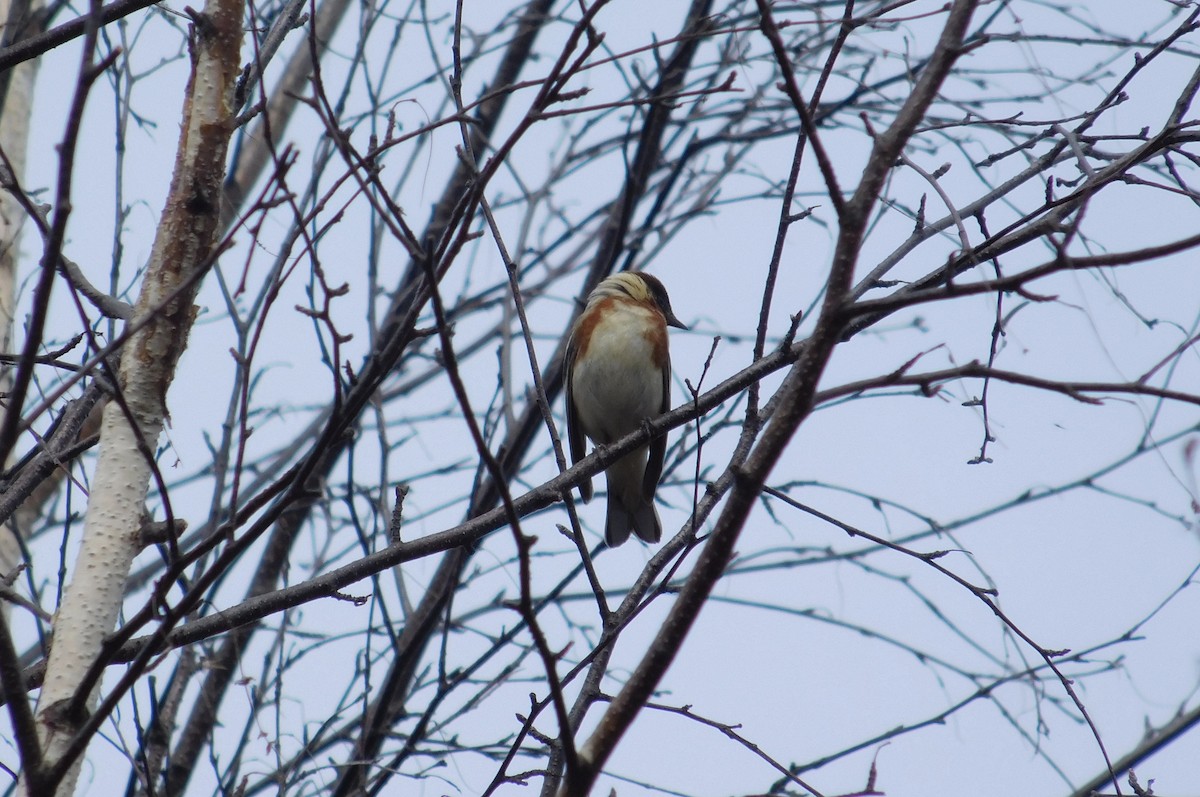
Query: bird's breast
x: 617, y: 379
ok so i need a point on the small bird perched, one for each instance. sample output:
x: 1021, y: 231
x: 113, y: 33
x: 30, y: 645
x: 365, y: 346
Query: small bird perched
x: 618, y: 376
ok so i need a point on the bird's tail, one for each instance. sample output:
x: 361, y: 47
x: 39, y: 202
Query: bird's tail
x: 628, y: 509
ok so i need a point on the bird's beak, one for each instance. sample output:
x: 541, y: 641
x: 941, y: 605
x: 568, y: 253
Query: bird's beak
x: 672, y: 321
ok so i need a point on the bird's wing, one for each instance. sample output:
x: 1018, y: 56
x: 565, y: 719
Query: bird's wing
x: 658, y: 446
x: 574, y: 427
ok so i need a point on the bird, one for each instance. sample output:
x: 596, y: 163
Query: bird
x: 618, y: 376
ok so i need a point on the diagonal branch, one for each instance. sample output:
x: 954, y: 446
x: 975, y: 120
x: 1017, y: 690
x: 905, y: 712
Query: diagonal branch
x: 795, y: 401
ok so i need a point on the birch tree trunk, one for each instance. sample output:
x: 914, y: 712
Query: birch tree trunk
x: 14, y: 136
x: 183, y: 249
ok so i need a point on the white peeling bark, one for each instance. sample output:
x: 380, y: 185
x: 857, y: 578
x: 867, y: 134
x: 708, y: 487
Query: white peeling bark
x: 163, y: 316
x: 14, y: 137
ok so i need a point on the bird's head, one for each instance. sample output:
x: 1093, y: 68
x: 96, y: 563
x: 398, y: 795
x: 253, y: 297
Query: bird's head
x: 640, y: 287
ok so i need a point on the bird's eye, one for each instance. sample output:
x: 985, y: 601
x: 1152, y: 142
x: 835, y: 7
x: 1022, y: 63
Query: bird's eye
x: 660, y: 296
